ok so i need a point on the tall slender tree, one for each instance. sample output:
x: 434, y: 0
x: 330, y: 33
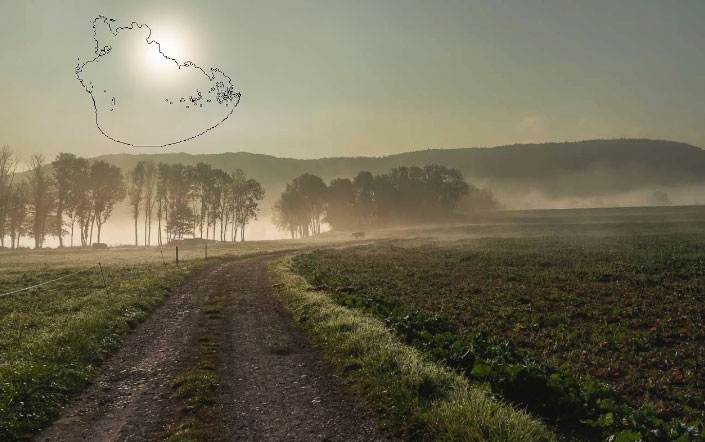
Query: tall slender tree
x: 136, y: 193
x: 150, y: 180
x: 161, y: 195
x: 64, y: 174
x: 247, y: 194
x: 78, y: 206
x: 17, y: 213
x: 8, y: 162
x: 41, y: 198
x: 107, y: 188
x: 202, y: 189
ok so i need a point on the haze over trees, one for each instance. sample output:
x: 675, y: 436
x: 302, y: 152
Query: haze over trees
x: 565, y: 174
x: 404, y: 194
x: 72, y: 193
x: 204, y: 202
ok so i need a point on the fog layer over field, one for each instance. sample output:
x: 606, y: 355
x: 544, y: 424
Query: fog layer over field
x: 586, y: 174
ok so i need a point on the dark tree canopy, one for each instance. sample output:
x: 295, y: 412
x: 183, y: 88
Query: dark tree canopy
x: 72, y: 194
x: 403, y: 194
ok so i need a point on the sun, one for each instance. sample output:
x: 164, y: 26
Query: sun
x: 159, y: 58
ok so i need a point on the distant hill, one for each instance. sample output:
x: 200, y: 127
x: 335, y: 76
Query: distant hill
x: 596, y: 170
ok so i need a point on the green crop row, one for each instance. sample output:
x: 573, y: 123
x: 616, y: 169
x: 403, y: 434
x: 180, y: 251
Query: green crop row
x: 578, y: 407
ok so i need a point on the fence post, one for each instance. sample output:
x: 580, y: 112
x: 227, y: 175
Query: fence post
x: 163, y: 261
x: 103, y: 276
x: 177, y: 256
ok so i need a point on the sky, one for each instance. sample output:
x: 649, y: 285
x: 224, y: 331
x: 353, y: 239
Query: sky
x: 346, y: 78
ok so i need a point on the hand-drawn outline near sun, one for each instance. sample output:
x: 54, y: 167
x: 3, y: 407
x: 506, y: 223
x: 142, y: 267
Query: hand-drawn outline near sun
x: 218, y: 94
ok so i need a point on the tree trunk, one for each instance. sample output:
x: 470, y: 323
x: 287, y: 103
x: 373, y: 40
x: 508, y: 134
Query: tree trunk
x: 84, y: 233
x: 90, y: 238
x: 60, y: 225
x: 159, y: 225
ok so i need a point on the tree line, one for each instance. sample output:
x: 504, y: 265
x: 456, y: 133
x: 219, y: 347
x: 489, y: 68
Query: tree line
x: 74, y: 197
x: 404, y: 194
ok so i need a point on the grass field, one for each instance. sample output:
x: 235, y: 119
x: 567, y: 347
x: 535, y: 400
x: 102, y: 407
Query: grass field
x: 597, y: 328
x: 590, y: 320
x: 53, y: 337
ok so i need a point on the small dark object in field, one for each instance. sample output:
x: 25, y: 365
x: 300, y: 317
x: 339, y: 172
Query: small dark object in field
x: 358, y: 234
x: 100, y: 246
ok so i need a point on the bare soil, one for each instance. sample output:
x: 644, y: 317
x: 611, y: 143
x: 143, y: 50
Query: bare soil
x: 273, y: 384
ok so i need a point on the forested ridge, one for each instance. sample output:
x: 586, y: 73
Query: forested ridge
x: 564, y: 169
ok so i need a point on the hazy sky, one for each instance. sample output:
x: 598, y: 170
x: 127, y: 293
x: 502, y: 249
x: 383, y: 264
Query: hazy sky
x: 330, y: 78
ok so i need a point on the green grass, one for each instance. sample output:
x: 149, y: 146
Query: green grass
x: 425, y: 400
x: 53, y: 338
x: 607, y: 329
x: 197, y: 386
x: 187, y: 431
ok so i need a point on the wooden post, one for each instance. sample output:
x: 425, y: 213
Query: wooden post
x: 177, y: 256
x: 103, y: 276
x: 163, y: 261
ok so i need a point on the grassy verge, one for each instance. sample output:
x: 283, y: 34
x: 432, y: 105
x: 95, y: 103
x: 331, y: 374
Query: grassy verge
x: 53, y: 338
x: 197, y: 387
x: 425, y: 400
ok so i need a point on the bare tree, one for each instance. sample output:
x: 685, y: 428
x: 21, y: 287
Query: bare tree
x: 136, y: 193
x: 150, y: 180
x: 65, y: 174
x: 41, y: 200
x: 17, y: 213
x: 161, y: 191
x: 107, y: 188
x: 202, y: 186
x: 7, y: 174
x: 78, y: 198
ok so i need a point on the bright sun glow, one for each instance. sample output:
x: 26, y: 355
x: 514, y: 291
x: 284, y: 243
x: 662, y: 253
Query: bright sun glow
x: 175, y: 40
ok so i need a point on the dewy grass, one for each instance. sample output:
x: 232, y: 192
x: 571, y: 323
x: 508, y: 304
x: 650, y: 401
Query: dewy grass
x: 424, y: 399
x: 53, y: 338
x: 197, y: 386
x: 188, y: 431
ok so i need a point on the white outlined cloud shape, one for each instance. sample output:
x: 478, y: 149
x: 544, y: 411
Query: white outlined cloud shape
x: 143, y: 97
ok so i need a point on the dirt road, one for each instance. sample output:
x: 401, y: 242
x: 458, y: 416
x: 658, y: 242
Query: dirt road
x: 272, y: 383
